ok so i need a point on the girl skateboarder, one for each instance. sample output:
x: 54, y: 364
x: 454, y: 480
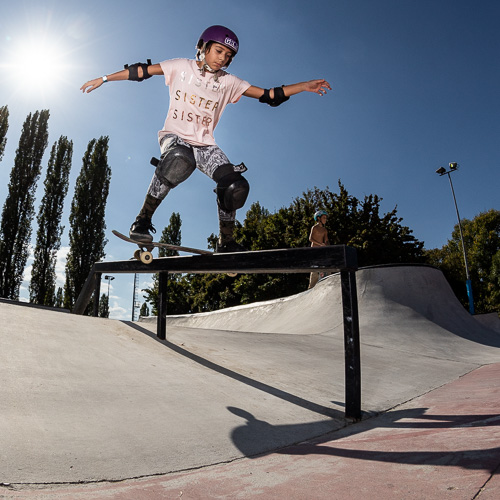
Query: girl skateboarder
x: 199, y: 91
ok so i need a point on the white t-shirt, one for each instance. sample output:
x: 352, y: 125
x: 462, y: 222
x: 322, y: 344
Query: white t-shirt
x: 197, y: 100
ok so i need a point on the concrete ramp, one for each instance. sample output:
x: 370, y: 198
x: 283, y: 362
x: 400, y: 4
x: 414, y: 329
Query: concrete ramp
x: 87, y: 399
x: 410, y: 308
x: 490, y: 320
x: 415, y: 336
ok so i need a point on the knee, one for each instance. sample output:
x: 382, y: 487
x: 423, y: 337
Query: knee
x: 232, y: 188
x: 176, y: 164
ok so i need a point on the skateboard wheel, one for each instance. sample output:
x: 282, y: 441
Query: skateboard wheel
x: 233, y: 275
x: 146, y: 257
x: 137, y: 255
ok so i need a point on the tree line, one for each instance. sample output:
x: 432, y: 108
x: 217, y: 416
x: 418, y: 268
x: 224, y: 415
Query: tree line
x: 380, y: 238
x: 87, y: 215
x: 482, y: 242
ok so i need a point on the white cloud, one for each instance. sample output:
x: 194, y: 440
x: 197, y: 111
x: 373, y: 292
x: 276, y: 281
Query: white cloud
x: 118, y: 312
x: 62, y: 255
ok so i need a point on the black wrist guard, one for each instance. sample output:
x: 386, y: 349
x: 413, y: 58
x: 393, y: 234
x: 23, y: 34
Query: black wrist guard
x: 133, y: 73
x: 279, y: 97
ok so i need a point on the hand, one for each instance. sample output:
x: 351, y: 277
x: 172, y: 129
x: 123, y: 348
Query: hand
x: 92, y: 85
x: 317, y: 86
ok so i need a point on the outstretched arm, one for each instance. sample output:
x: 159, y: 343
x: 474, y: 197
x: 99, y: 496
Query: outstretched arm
x: 319, y: 86
x: 124, y: 74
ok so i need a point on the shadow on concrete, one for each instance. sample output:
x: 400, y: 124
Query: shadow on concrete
x: 245, y: 436
x: 286, y: 396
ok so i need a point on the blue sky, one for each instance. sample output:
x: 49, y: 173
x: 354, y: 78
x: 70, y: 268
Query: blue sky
x: 415, y: 86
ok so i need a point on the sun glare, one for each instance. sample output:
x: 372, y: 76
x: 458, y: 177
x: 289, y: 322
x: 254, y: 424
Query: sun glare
x: 36, y: 65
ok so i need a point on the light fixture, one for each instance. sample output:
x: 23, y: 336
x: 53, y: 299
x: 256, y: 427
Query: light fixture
x: 468, y: 282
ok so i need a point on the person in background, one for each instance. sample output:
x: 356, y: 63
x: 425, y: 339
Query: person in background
x: 318, y: 238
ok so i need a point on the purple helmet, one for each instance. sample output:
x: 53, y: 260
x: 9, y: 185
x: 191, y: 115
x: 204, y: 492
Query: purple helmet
x: 219, y: 34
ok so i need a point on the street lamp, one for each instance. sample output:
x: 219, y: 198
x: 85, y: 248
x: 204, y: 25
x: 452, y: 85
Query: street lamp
x: 442, y: 171
x: 109, y: 278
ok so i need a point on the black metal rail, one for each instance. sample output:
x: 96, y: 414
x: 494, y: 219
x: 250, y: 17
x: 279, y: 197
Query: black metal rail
x: 335, y: 258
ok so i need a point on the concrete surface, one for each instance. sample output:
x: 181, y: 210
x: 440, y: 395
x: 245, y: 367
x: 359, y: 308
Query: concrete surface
x: 442, y: 445
x: 490, y: 320
x: 87, y: 399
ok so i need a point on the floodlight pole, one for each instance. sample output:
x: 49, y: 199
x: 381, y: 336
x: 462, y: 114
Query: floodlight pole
x: 109, y: 278
x: 468, y: 283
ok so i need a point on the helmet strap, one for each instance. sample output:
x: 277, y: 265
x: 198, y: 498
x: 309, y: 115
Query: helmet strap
x: 200, y: 56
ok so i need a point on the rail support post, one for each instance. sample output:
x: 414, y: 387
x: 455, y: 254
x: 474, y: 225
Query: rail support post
x: 162, y: 305
x: 351, y: 345
x: 97, y: 294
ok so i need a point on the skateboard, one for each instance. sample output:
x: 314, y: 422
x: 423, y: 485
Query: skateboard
x: 143, y: 253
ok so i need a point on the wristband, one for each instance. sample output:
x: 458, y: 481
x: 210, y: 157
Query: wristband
x: 104, y: 79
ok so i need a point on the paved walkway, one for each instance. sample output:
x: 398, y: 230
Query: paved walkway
x: 444, y: 444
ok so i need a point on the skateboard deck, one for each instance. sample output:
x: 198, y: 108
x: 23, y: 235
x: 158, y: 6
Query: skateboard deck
x: 145, y: 247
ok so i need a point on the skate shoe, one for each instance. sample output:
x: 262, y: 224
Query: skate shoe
x: 140, y: 229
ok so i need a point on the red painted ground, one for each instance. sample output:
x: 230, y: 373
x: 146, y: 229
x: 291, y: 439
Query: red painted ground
x: 445, y: 444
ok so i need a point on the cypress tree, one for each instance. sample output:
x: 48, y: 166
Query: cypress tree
x: 104, y: 306
x: 176, y: 300
x: 4, y: 126
x: 59, y: 302
x: 18, y: 210
x: 87, y: 225
x: 144, y: 312
x: 43, y: 275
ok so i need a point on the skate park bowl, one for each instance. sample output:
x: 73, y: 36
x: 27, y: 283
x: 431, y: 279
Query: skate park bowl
x: 89, y: 399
